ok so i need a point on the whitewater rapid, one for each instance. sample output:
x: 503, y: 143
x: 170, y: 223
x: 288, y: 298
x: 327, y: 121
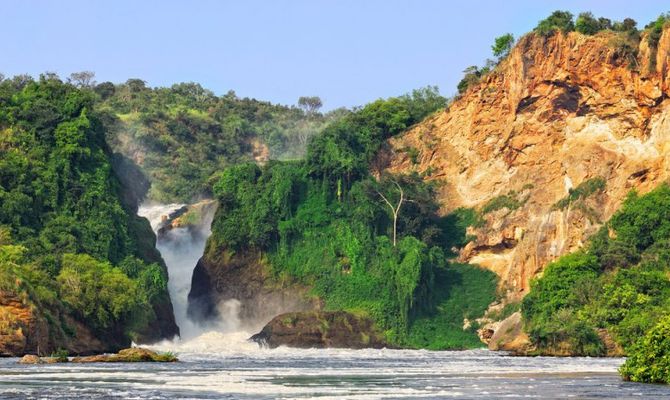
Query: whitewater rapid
x: 216, y: 367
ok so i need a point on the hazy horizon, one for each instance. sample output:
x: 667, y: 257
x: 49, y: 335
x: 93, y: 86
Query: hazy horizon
x: 348, y: 53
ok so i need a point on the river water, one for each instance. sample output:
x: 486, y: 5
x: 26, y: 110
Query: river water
x: 218, y: 366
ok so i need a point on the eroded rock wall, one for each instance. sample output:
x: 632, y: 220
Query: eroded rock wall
x: 557, y: 112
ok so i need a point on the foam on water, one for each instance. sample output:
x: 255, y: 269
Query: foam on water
x: 217, y: 365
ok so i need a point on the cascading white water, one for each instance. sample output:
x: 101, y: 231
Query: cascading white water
x: 181, y: 247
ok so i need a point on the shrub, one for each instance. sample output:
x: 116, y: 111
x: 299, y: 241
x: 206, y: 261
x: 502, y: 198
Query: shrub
x: 581, y: 192
x: 558, y: 20
x: 649, y: 360
x: 587, y: 24
x: 655, y: 30
x: 549, y: 308
x: 619, y: 283
x: 508, y: 201
x: 502, y: 45
x: 97, y: 292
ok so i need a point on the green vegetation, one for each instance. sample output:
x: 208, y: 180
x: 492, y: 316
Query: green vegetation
x: 472, y: 76
x: 649, y: 361
x: 587, y: 24
x: 619, y: 284
x: 654, y: 31
x: 60, y: 355
x: 373, y: 247
x: 465, y: 293
x: 625, y: 39
x: 99, y: 293
x: 502, y: 45
x: 583, y: 191
x: 511, y: 201
x: 557, y: 21
x: 62, y: 202
x: 182, y: 135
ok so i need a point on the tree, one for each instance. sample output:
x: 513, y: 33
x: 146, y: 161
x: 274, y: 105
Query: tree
x: 558, y: 20
x: 136, y: 85
x: 98, y: 292
x: 105, y: 90
x: 502, y: 45
x: 395, y: 210
x: 588, y: 25
x: 83, y: 79
x: 311, y: 104
x: 472, y: 75
x: 629, y: 24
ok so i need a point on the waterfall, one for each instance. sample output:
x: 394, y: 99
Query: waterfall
x: 181, y: 247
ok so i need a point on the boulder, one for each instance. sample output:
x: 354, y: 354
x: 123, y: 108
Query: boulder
x: 134, y: 354
x: 321, y: 329
x: 30, y: 359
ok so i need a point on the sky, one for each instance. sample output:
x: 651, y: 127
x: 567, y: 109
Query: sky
x: 348, y: 52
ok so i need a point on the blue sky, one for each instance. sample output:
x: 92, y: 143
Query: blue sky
x: 349, y: 52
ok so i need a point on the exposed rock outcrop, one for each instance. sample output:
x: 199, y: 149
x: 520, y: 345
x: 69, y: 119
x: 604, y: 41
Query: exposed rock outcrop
x: 320, y: 329
x: 507, y: 335
x: 196, y: 216
x: 222, y: 275
x: 557, y: 112
x: 24, y: 329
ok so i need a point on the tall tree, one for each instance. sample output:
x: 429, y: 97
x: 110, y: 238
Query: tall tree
x: 83, y: 79
x: 311, y: 104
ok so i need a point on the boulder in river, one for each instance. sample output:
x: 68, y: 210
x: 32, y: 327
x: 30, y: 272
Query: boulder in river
x: 30, y: 359
x: 135, y: 354
x: 321, y: 329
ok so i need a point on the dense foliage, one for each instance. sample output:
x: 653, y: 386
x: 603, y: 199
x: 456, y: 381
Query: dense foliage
x: 324, y: 223
x: 649, y: 360
x: 60, y: 199
x: 618, y: 284
x: 182, y: 135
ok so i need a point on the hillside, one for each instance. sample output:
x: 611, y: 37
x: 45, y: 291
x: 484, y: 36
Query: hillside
x: 181, y: 136
x: 79, y: 270
x: 546, y: 147
x: 318, y: 235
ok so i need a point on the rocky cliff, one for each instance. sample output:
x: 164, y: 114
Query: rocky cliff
x: 559, y: 111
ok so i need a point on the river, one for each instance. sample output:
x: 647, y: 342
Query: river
x: 216, y: 366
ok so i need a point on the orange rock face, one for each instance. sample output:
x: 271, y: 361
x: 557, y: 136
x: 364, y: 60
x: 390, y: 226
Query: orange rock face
x: 24, y: 329
x: 21, y: 329
x: 557, y: 112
